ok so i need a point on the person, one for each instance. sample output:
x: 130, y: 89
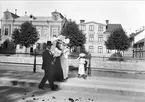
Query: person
x: 58, y: 72
x: 81, y: 69
x: 47, y: 66
x: 64, y: 61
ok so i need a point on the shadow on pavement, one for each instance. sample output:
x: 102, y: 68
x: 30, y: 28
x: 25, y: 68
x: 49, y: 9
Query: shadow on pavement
x: 17, y: 94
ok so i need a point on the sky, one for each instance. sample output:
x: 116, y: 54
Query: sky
x: 130, y: 14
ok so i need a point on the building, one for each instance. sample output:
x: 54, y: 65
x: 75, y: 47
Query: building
x: 138, y: 43
x: 97, y: 34
x: 47, y: 27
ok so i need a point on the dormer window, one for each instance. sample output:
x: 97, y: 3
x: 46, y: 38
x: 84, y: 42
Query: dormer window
x: 55, y: 16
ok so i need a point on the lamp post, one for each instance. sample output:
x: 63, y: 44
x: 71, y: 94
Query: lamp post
x: 34, y: 65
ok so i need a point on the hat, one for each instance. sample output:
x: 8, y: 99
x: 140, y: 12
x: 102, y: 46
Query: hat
x: 49, y: 43
x: 82, y: 55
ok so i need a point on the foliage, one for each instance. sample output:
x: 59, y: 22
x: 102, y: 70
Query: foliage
x: 8, y: 47
x: 0, y: 34
x: 71, y: 31
x: 116, y: 57
x: 118, y: 40
x: 26, y: 36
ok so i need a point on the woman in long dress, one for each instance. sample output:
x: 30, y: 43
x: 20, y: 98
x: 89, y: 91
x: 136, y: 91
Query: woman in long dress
x: 64, y: 61
x: 58, y: 72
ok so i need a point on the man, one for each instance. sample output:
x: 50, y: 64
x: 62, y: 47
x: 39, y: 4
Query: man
x: 47, y: 66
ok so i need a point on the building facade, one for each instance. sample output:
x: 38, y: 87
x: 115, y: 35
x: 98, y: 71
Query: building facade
x: 97, y: 34
x: 138, y: 43
x: 47, y: 27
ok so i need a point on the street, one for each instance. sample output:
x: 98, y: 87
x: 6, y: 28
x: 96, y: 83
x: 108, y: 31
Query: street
x: 100, y: 87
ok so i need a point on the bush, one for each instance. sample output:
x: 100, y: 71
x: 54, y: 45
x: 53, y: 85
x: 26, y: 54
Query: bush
x: 8, y: 48
x: 116, y: 57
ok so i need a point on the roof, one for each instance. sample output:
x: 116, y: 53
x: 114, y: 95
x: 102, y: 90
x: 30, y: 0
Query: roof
x: 135, y: 34
x: 93, y: 22
x: 13, y: 15
x: 140, y: 41
x: 24, y: 18
x: 59, y: 14
x: 111, y: 27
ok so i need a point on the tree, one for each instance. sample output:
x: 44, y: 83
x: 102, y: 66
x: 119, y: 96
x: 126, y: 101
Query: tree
x: 71, y: 31
x: 26, y: 36
x: 0, y: 34
x: 118, y: 40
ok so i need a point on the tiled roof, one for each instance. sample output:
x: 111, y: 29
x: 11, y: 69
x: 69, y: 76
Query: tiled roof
x: 14, y: 15
x: 92, y: 22
x: 111, y: 27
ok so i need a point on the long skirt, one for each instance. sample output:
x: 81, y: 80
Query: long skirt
x: 58, y: 73
x: 65, y: 67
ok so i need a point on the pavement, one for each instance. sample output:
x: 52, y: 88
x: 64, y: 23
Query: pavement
x: 21, y: 86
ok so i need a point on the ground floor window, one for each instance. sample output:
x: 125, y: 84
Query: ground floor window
x: 91, y: 48
x: 100, y: 49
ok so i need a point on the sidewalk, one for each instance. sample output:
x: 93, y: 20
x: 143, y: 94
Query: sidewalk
x: 22, y: 87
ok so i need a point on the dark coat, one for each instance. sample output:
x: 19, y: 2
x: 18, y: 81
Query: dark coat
x: 47, y: 58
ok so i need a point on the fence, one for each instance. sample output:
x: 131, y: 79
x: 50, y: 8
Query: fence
x: 94, y: 62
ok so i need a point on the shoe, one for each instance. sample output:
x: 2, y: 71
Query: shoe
x: 55, y: 88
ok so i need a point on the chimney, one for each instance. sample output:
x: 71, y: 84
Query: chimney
x: 107, y: 21
x: 25, y: 13
x: 82, y: 21
x: 15, y: 11
x: 69, y: 20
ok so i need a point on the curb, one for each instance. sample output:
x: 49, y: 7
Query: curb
x: 118, y: 71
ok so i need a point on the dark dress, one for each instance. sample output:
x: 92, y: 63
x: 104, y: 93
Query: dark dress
x: 58, y: 72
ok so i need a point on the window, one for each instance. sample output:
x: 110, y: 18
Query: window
x: 91, y: 48
x: 6, y: 31
x: 91, y: 37
x: 45, y: 32
x: 54, y: 32
x: 100, y: 49
x: 100, y: 38
x: 100, y: 28
x: 39, y: 31
x: 91, y: 27
x: 83, y: 27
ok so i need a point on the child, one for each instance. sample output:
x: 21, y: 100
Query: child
x: 81, y: 69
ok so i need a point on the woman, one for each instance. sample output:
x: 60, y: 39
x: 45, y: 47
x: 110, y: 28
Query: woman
x: 64, y: 61
x: 57, y: 53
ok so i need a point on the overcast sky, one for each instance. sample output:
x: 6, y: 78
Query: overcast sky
x: 131, y: 14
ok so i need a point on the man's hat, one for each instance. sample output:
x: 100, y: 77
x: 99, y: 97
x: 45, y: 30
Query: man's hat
x: 49, y: 43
